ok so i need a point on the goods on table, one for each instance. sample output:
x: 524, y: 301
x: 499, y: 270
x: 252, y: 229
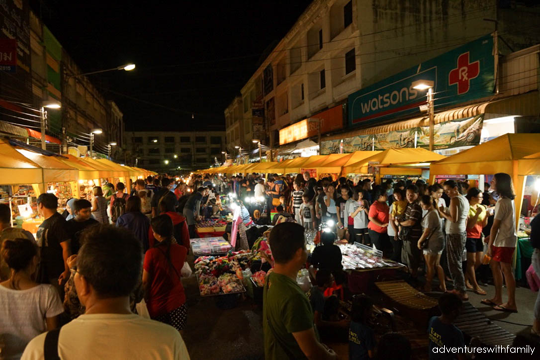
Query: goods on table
x: 259, y: 278
x: 359, y: 256
x: 211, y: 225
x: 209, y: 246
x: 221, y: 275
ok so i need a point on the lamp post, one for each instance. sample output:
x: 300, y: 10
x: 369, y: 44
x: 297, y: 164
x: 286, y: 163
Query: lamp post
x: 239, y: 150
x: 224, y: 156
x: 318, y: 121
x: 92, y: 133
x: 127, y: 67
x: 258, y: 142
x: 428, y: 85
x: 109, y: 149
x: 49, y: 105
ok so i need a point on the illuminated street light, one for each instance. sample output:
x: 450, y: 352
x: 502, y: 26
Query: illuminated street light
x: 423, y: 85
x: 166, y: 162
x: 49, y: 104
x: 127, y: 67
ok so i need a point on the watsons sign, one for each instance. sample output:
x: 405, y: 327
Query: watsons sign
x: 460, y: 75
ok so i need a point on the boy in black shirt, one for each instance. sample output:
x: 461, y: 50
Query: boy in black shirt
x: 81, y: 221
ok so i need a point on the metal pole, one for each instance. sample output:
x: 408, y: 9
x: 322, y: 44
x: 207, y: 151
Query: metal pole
x: 319, y: 136
x: 91, y: 144
x: 109, y: 151
x: 260, y: 152
x: 431, y: 120
x: 43, y: 144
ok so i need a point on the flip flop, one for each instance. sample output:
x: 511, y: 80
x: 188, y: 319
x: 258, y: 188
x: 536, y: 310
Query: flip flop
x: 504, y: 309
x: 488, y: 302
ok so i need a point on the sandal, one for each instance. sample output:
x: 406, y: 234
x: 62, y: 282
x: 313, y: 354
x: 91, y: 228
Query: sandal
x: 489, y: 302
x: 504, y: 309
x: 480, y: 291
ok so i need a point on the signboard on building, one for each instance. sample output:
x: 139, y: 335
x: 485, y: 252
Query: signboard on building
x: 331, y: 120
x: 15, y: 31
x: 460, y: 75
x: 450, y: 134
x: 8, y: 55
x: 257, y: 119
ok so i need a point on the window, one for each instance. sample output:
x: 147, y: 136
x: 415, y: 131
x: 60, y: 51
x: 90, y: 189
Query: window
x: 153, y: 140
x: 153, y: 151
x: 169, y: 139
x: 302, y: 92
x: 350, y: 62
x: 215, y: 151
x: 295, y: 58
x: 185, y: 139
x: 201, y: 160
x: 154, y: 162
x: 347, y: 14
x: 185, y: 150
x: 322, y: 79
x: 169, y: 150
x: 138, y: 140
x: 320, y: 39
x: 215, y: 140
x: 200, y: 139
x: 200, y: 150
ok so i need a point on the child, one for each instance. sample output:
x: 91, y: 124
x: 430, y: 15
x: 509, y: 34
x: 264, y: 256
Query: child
x: 397, y: 212
x: 296, y: 201
x: 361, y: 337
x: 307, y: 214
x: 441, y: 331
x: 359, y: 211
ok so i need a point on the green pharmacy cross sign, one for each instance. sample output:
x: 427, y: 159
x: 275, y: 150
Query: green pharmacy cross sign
x: 460, y: 75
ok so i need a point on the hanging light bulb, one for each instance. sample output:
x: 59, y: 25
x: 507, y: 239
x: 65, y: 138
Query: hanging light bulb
x: 193, y: 116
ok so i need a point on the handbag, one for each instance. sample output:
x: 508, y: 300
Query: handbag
x: 276, y: 202
x: 41, y: 275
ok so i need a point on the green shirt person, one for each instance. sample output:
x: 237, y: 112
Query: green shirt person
x: 289, y: 331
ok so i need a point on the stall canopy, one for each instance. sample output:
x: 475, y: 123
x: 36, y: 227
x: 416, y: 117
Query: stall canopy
x: 17, y: 169
x: 279, y: 168
x: 347, y: 160
x: 393, y: 157
x: 322, y: 165
x: 54, y: 170
x: 262, y: 168
x: 301, y: 163
x: 86, y: 172
x: 104, y: 171
x: 514, y: 154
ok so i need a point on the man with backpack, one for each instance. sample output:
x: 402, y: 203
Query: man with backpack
x: 118, y: 202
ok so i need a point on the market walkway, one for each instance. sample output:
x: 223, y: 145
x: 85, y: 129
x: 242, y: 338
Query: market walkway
x: 213, y: 333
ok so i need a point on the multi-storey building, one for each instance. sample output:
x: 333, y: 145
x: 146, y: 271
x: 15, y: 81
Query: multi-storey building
x: 167, y: 151
x: 43, y: 73
x: 338, y: 47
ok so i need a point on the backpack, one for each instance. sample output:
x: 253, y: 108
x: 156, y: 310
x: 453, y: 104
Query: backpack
x: 119, y: 207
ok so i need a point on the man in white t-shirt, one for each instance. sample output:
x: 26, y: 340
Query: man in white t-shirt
x: 259, y: 190
x: 104, y: 278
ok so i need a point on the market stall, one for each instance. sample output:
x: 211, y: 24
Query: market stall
x: 515, y: 154
x: 262, y: 168
x: 123, y: 172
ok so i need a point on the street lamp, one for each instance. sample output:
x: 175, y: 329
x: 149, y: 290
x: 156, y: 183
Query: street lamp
x: 109, y: 148
x: 166, y: 162
x: 258, y: 142
x: 49, y: 104
x: 97, y: 131
x: 224, y: 156
x: 127, y: 67
x: 318, y: 121
x: 175, y: 156
x: 423, y: 85
x: 239, y: 150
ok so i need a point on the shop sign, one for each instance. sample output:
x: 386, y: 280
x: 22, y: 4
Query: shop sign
x: 331, y: 120
x: 447, y: 135
x: 8, y: 55
x: 463, y: 74
x: 257, y: 119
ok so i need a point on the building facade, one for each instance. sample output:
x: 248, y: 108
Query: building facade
x: 46, y: 73
x: 172, y: 152
x: 338, y: 47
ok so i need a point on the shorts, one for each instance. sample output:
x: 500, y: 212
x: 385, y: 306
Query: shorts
x: 176, y: 318
x: 474, y: 245
x: 502, y: 254
x: 435, y: 246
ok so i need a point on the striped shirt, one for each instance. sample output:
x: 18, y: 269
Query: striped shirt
x: 297, y: 198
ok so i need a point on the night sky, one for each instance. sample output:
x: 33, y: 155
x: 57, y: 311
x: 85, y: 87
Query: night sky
x: 192, y: 56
